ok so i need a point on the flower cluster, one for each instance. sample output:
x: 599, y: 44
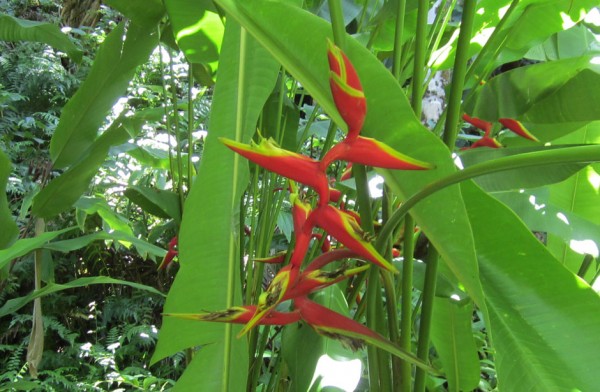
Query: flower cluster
x: 489, y: 141
x: 293, y: 282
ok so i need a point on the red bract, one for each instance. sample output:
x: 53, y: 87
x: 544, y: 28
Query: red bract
x: 517, y: 128
x: 486, y: 127
x: 346, y: 90
x: 371, y: 152
x: 346, y: 230
x: 171, y: 253
x: 283, y: 162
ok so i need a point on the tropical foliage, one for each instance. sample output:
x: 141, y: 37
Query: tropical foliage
x: 273, y: 166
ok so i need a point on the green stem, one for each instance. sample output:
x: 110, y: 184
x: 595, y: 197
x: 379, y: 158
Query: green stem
x: 177, y: 134
x: 490, y: 45
x: 337, y: 22
x: 419, y: 62
x: 406, y: 305
x: 400, y: 13
x: 426, y: 316
x: 458, y: 74
x: 190, y: 128
x: 563, y: 155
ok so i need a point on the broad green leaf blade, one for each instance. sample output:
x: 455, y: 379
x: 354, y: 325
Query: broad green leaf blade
x: 63, y: 191
x: 544, y: 318
x: 9, y: 230
x: 144, y: 248
x: 98, y: 205
x: 12, y: 305
x: 550, y: 99
x: 14, y: 29
x: 26, y: 245
x: 580, y: 196
x: 279, y: 27
x: 530, y: 177
x: 198, y: 30
x: 574, y: 42
x: 158, y: 202
x: 452, y: 337
x: 563, y: 227
x: 111, y: 72
x: 209, y: 273
x: 144, y: 12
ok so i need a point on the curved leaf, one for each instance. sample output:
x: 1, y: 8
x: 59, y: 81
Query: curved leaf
x: 158, y: 202
x: 9, y: 230
x: 12, y: 305
x: 14, y: 29
x: 544, y: 318
x: 26, y: 245
x: 111, y: 72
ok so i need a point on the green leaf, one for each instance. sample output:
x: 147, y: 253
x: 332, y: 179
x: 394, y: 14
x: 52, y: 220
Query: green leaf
x: 107, y: 81
x: 63, y: 191
x: 550, y: 99
x: 532, y: 22
x: 97, y: 205
x: 12, y: 305
x: 198, y: 30
x: 578, y: 196
x: 144, y: 248
x: 529, y: 177
x: 23, y: 246
x: 544, y: 318
x: 208, y: 278
x: 453, y: 339
x: 147, y: 13
x: 14, y: 29
x: 9, y: 230
x: 563, y: 227
x: 279, y: 27
x: 574, y: 42
x: 158, y: 202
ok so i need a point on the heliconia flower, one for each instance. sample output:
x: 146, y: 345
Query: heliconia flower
x: 289, y: 164
x: 274, y: 294
x: 350, y: 333
x: 370, y: 152
x: 277, y: 258
x: 517, y: 128
x: 171, y: 253
x: 485, y: 126
x: 240, y: 315
x: 486, y: 141
x: 346, y: 89
x: 346, y: 230
x: 315, y: 279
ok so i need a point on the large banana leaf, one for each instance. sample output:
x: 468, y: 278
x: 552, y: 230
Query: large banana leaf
x: 9, y: 230
x: 544, y: 318
x: 111, y: 72
x: 209, y: 278
x: 144, y: 12
x: 14, y: 29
